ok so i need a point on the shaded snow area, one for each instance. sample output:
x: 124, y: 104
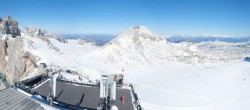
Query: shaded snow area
x: 74, y: 78
x: 166, y: 76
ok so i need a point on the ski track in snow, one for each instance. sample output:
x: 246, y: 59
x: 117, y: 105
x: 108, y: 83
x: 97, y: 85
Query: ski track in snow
x: 228, y: 83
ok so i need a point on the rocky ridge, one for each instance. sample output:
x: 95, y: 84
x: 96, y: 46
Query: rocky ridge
x: 9, y: 26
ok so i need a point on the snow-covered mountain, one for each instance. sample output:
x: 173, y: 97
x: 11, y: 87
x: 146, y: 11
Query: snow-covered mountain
x: 136, y: 46
x: 35, y: 31
x: 139, y: 46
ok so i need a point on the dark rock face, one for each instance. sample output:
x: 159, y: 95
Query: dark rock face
x: 39, y: 32
x: 9, y: 26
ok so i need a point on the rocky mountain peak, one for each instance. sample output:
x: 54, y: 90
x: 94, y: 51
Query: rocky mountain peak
x: 9, y: 18
x: 9, y: 27
x: 35, y: 31
x: 142, y: 29
x: 137, y: 35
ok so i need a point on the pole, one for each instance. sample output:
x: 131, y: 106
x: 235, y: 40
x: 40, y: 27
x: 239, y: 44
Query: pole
x: 113, y: 91
x: 16, y: 77
x: 101, y: 90
x: 52, y: 85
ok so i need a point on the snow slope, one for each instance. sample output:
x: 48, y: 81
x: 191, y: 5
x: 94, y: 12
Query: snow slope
x: 65, y: 56
x: 220, y: 86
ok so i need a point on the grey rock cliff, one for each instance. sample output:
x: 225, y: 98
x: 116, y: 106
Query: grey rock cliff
x: 14, y: 59
x: 9, y: 27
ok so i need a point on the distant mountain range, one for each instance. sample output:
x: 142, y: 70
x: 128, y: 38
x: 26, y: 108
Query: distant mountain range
x: 198, y: 39
x: 101, y: 39
x: 98, y: 39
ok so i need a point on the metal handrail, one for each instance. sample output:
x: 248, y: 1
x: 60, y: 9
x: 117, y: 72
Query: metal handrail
x: 72, y: 82
x: 137, y: 101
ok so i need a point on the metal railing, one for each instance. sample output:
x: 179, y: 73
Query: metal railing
x: 136, y: 99
x: 74, y: 82
x: 24, y: 84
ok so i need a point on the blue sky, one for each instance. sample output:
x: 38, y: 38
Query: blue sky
x: 178, y: 17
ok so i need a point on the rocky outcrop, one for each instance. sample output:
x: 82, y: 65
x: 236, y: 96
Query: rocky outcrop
x: 14, y: 59
x: 9, y: 27
x: 39, y: 32
x: 34, y: 31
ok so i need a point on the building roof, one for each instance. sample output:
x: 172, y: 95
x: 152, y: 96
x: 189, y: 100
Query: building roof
x: 11, y: 99
x: 83, y: 96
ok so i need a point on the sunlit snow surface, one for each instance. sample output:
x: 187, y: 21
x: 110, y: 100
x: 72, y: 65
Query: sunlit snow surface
x: 160, y: 83
x: 220, y: 86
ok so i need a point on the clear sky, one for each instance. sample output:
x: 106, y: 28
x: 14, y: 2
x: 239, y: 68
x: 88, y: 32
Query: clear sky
x: 178, y: 17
